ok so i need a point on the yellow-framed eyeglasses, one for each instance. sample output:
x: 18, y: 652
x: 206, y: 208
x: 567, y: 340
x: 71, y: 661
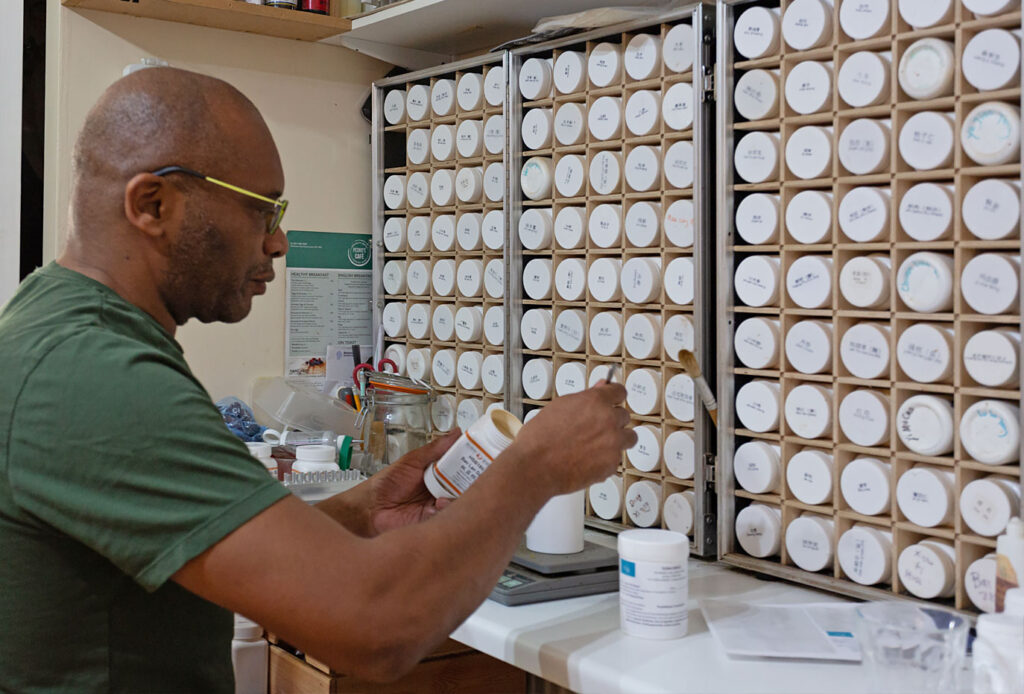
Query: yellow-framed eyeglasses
x: 273, y: 218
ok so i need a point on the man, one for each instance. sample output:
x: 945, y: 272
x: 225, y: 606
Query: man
x: 130, y: 517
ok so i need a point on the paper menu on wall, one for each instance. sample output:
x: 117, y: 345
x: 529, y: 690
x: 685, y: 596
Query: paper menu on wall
x: 819, y: 631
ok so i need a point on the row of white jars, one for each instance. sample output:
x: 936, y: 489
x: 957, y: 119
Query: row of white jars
x: 606, y: 333
x: 446, y: 322
x: 448, y: 142
x: 642, y: 501
x: 605, y: 225
x: 609, y: 172
x: 469, y: 185
x: 471, y: 369
x: 471, y: 92
x: 471, y: 231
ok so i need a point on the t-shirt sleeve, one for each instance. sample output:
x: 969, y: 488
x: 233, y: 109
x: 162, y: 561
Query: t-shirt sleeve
x: 116, y: 445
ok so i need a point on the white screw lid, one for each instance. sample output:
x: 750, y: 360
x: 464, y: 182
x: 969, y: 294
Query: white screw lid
x: 679, y: 164
x: 571, y: 330
x: 809, y: 217
x: 757, y: 157
x: 606, y: 333
x: 642, y: 223
x: 677, y: 106
x: 537, y: 128
x: 924, y: 424
x: 536, y: 227
x: 864, y: 146
x: 469, y: 368
x: 864, y: 417
x: 642, y: 57
x: 493, y: 374
x: 679, y: 452
x: 759, y: 529
x: 394, y: 232
x: 865, y: 485
x: 807, y: 24
x: 443, y: 367
x: 605, y: 172
x: 864, y: 350
x: 494, y: 278
x: 494, y: 325
x: 926, y: 140
x: 758, y: 404
x: 643, y: 168
x: 442, y: 142
x: 925, y: 495
x: 604, y: 118
x: 678, y: 224
x: 642, y: 335
x: 809, y: 281
x: 316, y: 453
x: 925, y: 282
x: 494, y: 86
x: 926, y: 212
x: 679, y: 397
x: 646, y: 454
x: 863, y: 79
x: 418, y: 320
x: 470, y: 91
x: 536, y: 178
x: 677, y: 50
x: 538, y: 379
x: 570, y: 226
x: 394, y: 107
x: 570, y: 120
x: 570, y: 175
x: 536, y: 78
x: 864, y: 214
x: 641, y: 279
x: 809, y: 541
x: 604, y: 65
x: 443, y: 277
x: 757, y: 94
x: 991, y: 209
x: 925, y: 352
x: 536, y: 328
x: 442, y: 232
x: 991, y: 357
x: 757, y: 342
x: 537, y: 278
x: 603, y: 279
x: 809, y: 411
x: 418, y: 189
x: 809, y: 151
x: 570, y: 71
x: 864, y: 281
x: 443, y: 322
x: 809, y: 87
x: 990, y: 432
x: 990, y: 283
x: 570, y: 378
x: 809, y: 475
x: 809, y: 346
x: 677, y: 335
x: 757, y: 466
x: 865, y: 554
x: 606, y: 498
x: 393, y: 319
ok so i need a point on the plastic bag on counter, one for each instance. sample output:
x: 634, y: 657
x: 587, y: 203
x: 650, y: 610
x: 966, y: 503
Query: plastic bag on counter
x: 240, y: 419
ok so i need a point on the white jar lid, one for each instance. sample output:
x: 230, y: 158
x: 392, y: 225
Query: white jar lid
x: 394, y: 107
x: 442, y: 97
x: 570, y: 71
x: 809, y: 475
x: 991, y: 59
x: 418, y: 363
x: 442, y: 412
x: 571, y: 330
x: 925, y: 495
x: 393, y: 277
x: 443, y: 322
x: 980, y: 580
x: 925, y: 352
x: 987, y: 504
x: 926, y: 13
x: 470, y: 277
x: 394, y: 192
x: 536, y: 178
x: 809, y: 87
x: 986, y: 8
x: 926, y: 69
x: 493, y: 374
x: 640, y: 279
x: 757, y: 94
x: 864, y: 214
x: 679, y: 453
x: 927, y: 569
x: 757, y: 218
x: 531, y: 414
x: 570, y: 225
x: 492, y: 229
x: 536, y: 78
x: 759, y: 527
x: 991, y: 209
x: 864, y: 146
x: 604, y: 118
x: 757, y: 280
x: 642, y: 335
x: 316, y: 453
x: 757, y: 157
x: 642, y: 223
x: 757, y: 32
x: 864, y: 350
x: 396, y: 353
x: 494, y: 182
x: 680, y: 509
x: 605, y: 225
x: 926, y: 212
x: 469, y: 184
x: 418, y: 321
x: 809, y: 216
x: 925, y: 282
x: 536, y: 227
x: 809, y: 541
x: 864, y: 417
x: 468, y: 323
x: 417, y: 146
x: 925, y: 424
x: 643, y: 503
x: 443, y: 367
x: 865, y: 19
x: 642, y: 57
x: 679, y: 281
x: 646, y: 454
x: 442, y: 232
x: 393, y: 319
x: 467, y: 231
x: 494, y: 85
x: 603, y: 279
x: 469, y: 410
x: 494, y: 134
x: 570, y: 378
x: 807, y: 24
x: 606, y: 333
x: 991, y: 357
x: 809, y: 411
x: 991, y: 133
x: 678, y: 49
x: 990, y: 283
x: 538, y: 379
x: 865, y: 554
x: 494, y: 325
x: 442, y: 277
x: 470, y: 91
x: 570, y: 279
x: 417, y: 102
x: 677, y: 106
x: 865, y: 485
x: 758, y: 404
x: 537, y: 128
x: 757, y: 341
x: 536, y: 328
x: 538, y: 278
x: 442, y: 142
x: 864, y: 281
x: 809, y: 151
x: 678, y: 224
x: 469, y: 368
x: 679, y: 397
x: 606, y: 172
x: 604, y: 66
x: 679, y: 164
x: 494, y: 278
x: 809, y: 281
x: 643, y: 168
x: 863, y: 79
x: 598, y: 373
x: 394, y: 232
x: 990, y: 432
x: 926, y: 140
x: 677, y: 335
x: 757, y: 466
x: 417, y: 189
x: 570, y: 175
x: 418, y: 277
x: 809, y: 346
x: 570, y: 120
x: 606, y: 498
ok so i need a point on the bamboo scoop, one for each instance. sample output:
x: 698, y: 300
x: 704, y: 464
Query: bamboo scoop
x: 692, y: 368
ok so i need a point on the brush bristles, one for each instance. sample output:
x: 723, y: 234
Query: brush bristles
x: 689, y: 362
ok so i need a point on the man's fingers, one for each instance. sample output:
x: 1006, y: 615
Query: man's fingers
x: 612, y: 393
x: 621, y: 417
x: 629, y: 439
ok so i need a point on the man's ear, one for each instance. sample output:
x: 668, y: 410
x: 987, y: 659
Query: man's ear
x: 151, y: 204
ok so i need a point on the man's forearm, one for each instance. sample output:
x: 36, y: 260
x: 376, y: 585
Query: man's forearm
x: 351, y: 508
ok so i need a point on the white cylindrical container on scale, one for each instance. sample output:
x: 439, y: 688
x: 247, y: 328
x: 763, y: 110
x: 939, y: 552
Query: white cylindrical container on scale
x: 558, y: 526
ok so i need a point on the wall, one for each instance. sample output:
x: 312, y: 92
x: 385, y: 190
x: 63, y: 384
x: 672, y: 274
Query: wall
x: 310, y: 95
x: 10, y: 146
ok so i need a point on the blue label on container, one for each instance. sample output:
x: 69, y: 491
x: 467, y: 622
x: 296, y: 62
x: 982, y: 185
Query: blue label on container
x: 627, y: 567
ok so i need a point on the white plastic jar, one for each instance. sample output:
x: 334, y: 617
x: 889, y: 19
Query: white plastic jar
x: 991, y: 133
x: 442, y: 187
x: 468, y: 323
x: 417, y: 279
x: 990, y: 432
x: 677, y: 335
x: 677, y: 106
x: 677, y: 51
x: 394, y: 233
x: 494, y: 85
x: 538, y: 278
x: 642, y: 57
x: 643, y: 391
x: 807, y: 24
x: 809, y: 281
x: 571, y: 330
x: 643, y: 503
x: 393, y: 277
x: 756, y: 95
x: 641, y: 279
x: 864, y: 350
x: 315, y: 458
x: 810, y: 542
x: 571, y: 279
x: 570, y: 72
x: 758, y: 404
x: 809, y: 151
x: 679, y: 511
x: 863, y: 78
x: 393, y: 319
x: 926, y: 69
x: 262, y: 452
x: 757, y: 466
x: 757, y: 342
x: 757, y: 218
x: 809, y: 475
x: 756, y: 158
x: 442, y: 277
x: 394, y: 192
x: 536, y: 328
x: 604, y: 66
x: 809, y: 87
x: 468, y: 458
x: 921, y: 14
x: 757, y: 280
x: 864, y: 19
x: 680, y: 397
x: 992, y: 357
x: 809, y: 411
x: 864, y: 214
x: 679, y: 453
x: 470, y: 91
x: 988, y: 503
x: 394, y: 107
x: 643, y: 168
x: 864, y: 417
x: 442, y: 143
x: 442, y: 412
x: 570, y: 175
x: 537, y: 178
x: 442, y: 233
x: 570, y: 124
x: 865, y: 554
x: 757, y: 32
x: 642, y: 335
x: 987, y: 8
x: 494, y: 182
x: 605, y: 173
x: 443, y: 367
x: 864, y: 146
x: 980, y: 583
x: 864, y: 281
x: 809, y: 346
x: 605, y: 225
x: 603, y: 280
x: 418, y: 321
x: 606, y: 498
x: 925, y: 282
x: 653, y: 584
x: 417, y: 146
x: 536, y: 228
x: 991, y: 209
x: 418, y: 364
x: 492, y: 229
x: 991, y: 60
x: 865, y: 485
x: 570, y: 227
x: 679, y: 281
x: 759, y: 530
x: 493, y: 374
x: 924, y: 424
x: 442, y: 97
x: 926, y: 140
x: 809, y: 217
x: 417, y: 102
x: 570, y: 378
x: 645, y: 455
x: 536, y: 79
x: 990, y: 283
x: 538, y: 379
x: 442, y: 322
x: 604, y: 118
x: 417, y: 189
x: 642, y: 224
x: 396, y: 353
x: 925, y: 352
x: 926, y: 212
x: 468, y: 411
x: 925, y: 495
x: 468, y: 368
x: 679, y: 165
x: 927, y: 569
x: 537, y: 127
x: 469, y: 184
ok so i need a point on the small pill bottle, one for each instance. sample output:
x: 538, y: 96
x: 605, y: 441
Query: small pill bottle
x: 315, y: 458
x: 261, y: 452
x: 471, y: 454
x: 653, y: 583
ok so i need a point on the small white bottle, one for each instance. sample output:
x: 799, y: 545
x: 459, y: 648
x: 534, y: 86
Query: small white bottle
x: 759, y: 530
x: 757, y: 466
x: 809, y: 411
x: 809, y: 475
x: 924, y: 424
x: 988, y: 503
x: 864, y: 350
x: 927, y: 569
x: 315, y: 458
x: 810, y: 542
x: 865, y: 485
x: 990, y: 432
x: 653, y: 585
x: 865, y: 554
x: 758, y: 404
x: 471, y: 454
x: 250, y: 654
x: 262, y: 452
x: 864, y: 417
x: 926, y: 494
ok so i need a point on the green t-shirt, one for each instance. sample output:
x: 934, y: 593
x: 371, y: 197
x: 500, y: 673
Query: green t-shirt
x: 115, y: 470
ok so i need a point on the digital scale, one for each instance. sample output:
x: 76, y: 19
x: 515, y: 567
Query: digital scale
x: 535, y: 577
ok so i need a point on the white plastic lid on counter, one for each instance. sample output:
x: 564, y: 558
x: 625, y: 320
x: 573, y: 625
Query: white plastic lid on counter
x: 443, y: 367
x: 537, y: 128
x: 987, y: 8
x: 679, y: 397
x: 396, y: 353
x: 442, y: 142
x: 642, y: 335
x: 864, y: 350
x: 536, y: 328
x: 809, y: 281
x: 757, y: 466
x: 679, y: 165
x: 604, y: 118
x: 809, y: 346
x: 469, y: 367
x: 442, y: 97
x: 469, y: 323
x: 394, y: 107
x: 757, y: 94
x: 470, y: 91
x: 394, y: 192
x: 807, y: 24
x: 442, y: 277
x: 991, y: 133
x: 417, y: 363
x: 864, y: 281
x: 605, y: 174
x: 758, y: 404
x: 646, y: 454
x: 759, y: 528
x: 928, y: 569
x: 988, y: 503
x: 643, y: 168
x: 417, y: 189
x: 393, y: 318
x: 493, y: 374
x: 606, y: 498
x: 417, y: 278
x: 757, y: 341
x: 677, y: 106
x: 926, y: 212
x: 864, y: 19
x: 863, y: 78
x: 757, y: 280
x: 991, y: 357
x: 394, y: 233
x: 677, y: 335
x: 606, y: 333
x: 442, y: 412
x: 679, y: 452
x: 417, y: 146
x: 570, y: 123
x: 678, y: 48
x: 991, y: 60
x: 757, y: 32
x: 571, y: 330
x: 757, y: 218
x: 443, y: 322
x: 570, y: 225
x: 467, y: 231
x: 538, y: 278
x: 809, y: 87
x: 865, y: 485
x: 809, y: 411
x: 991, y: 209
x: 417, y: 102
x: 925, y: 352
x: 393, y: 277
x: 442, y: 232
x: 924, y: 424
x: 926, y: 13
x: 925, y: 282
x: 571, y: 279
x: 570, y: 378
x: 809, y: 475
x: 536, y: 178
x: 679, y: 511
x: 570, y: 175
x: 809, y: 541
x: 642, y: 57
x: 603, y: 279
x: 494, y: 134
x: 494, y: 278
x: 418, y: 231
x: 809, y: 216
x: 926, y: 140
x: 536, y: 228
x: 865, y: 553
x: 538, y: 379
x: 570, y: 72
x: 990, y: 283
x: 864, y: 214
x: 642, y: 223
x: 679, y: 281
x: 604, y: 66
x: 494, y: 182
x: 678, y: 224
x: 864, y: 146
x: 494, y: 85
x: 990, y: 432
x: 535, y: 79
x: 926, y: 69
x: 809, y: 151
x: 757, y: 157
x: 492, y: 230
x: 643, y: 503
x: 864, y: 417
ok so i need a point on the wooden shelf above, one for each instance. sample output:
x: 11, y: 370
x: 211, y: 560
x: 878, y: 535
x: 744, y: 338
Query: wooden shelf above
x: 226, y: 14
